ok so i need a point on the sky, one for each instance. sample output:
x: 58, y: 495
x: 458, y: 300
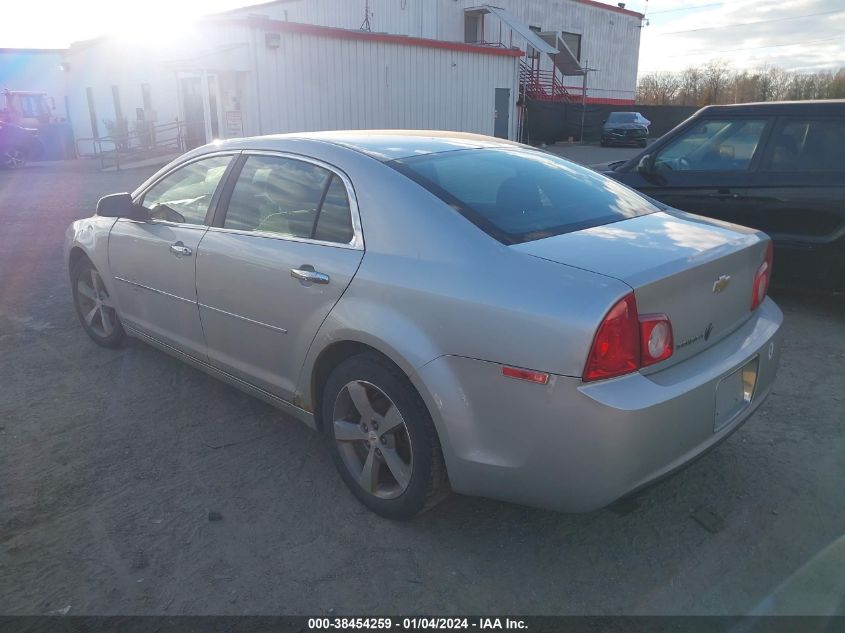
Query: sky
x: 801, y: 35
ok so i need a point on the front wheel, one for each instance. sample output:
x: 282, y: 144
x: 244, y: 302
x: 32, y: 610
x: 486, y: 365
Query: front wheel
x: 382, y: 439
x: 14, y: 158
x: 94, y: 306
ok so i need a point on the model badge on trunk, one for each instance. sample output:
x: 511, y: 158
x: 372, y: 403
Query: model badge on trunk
x: 721, y: 283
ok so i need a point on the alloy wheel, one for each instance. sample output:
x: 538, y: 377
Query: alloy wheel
x: 14, y: 158
x: 372, y: 439
x: 95, y: 304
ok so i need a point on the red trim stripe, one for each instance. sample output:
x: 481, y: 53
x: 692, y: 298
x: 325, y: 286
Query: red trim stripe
x: 610, y: 7
x: 278, y: 26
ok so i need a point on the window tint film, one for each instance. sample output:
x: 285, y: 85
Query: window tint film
x: 184, y: 195
x: 815, y: 145
x: 519, y: 196
x: 713, y: 145
x: 334, y: 223
x: 277, y: 195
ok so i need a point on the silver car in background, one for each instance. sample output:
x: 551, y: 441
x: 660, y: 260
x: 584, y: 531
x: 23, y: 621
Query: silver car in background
x: 448, y: 309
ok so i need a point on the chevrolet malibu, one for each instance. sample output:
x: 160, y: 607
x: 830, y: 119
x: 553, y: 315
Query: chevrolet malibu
x: 449, y: 310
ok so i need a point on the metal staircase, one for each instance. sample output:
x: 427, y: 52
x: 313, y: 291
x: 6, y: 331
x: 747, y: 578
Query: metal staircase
x: 542, y: 85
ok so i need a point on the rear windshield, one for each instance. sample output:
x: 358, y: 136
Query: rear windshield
x: 623, y: 117
x: 517, y: 195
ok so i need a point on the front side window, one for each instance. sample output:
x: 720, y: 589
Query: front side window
x: 184, y: 195
x: 519, y: 196
x: 291, y: 198
x: 713, y: 145
x: 808, y: 145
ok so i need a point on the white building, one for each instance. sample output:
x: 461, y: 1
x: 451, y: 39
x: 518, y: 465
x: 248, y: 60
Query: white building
x: 299, y: 65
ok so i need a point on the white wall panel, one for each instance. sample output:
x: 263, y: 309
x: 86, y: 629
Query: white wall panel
x: 610, y: 39
x: 314, y: 82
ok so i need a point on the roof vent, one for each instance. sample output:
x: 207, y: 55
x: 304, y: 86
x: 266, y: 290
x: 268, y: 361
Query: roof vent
x: 621, y: 5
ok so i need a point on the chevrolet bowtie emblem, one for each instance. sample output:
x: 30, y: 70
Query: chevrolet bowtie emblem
x: 721, y: 283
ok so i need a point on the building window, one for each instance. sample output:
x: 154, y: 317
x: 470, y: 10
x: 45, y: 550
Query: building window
x: 473, y: 28
x: 573, y: 43
x: 118, y: 110
x: 146, y: 97
x: 92, y: 112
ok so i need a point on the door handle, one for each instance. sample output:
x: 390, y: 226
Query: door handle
x: 180, y: 250
x: 303, y: 274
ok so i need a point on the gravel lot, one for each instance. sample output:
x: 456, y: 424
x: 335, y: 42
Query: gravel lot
x: 110, y: 463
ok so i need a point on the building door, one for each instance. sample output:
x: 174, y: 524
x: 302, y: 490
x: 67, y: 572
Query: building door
x: 193, y: 110
x: 501, y: 124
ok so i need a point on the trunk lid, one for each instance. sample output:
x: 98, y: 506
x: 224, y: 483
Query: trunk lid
x: 699, y: 272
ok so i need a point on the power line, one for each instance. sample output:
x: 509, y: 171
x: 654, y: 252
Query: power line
x: 754, y: 48
x: 750, y: 48
x: 698, y: 6
x: 728, y: 26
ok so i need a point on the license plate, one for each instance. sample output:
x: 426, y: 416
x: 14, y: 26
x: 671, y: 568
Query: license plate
x: 734, y: 393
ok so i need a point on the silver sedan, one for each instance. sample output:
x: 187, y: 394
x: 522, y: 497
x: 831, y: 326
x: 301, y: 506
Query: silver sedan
x: 450, y: 310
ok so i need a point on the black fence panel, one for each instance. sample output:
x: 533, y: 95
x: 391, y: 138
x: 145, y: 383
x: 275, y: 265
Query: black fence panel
x: 548, y: 122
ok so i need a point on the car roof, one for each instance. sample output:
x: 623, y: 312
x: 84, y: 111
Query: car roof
x: 774, y: 108
x: 383, y: 145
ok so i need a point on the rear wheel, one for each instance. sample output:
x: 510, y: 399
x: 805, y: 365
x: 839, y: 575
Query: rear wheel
x: 14, y: 158
x: 94, y: 306
x: 382, y: 439
x: 642, y: 143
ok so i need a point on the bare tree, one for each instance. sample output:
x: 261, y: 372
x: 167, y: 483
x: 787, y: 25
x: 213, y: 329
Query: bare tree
x: 716, y: 76
x: 658, y: 88
x: 717, y: 82
x: 691, y: 86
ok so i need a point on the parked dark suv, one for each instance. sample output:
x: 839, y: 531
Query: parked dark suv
x: 778, y: 167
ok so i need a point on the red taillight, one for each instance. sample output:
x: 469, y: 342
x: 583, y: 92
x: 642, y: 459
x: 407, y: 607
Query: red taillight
x: 616, y: 347
x: 625, y: 341
x: 656, y: 338
x: 762, y: 279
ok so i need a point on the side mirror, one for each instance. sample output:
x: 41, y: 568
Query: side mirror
x: 120, y: 205
x: 646, y: 164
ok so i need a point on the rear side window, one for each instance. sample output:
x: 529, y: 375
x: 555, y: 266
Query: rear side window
x: 519, y: 195
x: 808, y: 145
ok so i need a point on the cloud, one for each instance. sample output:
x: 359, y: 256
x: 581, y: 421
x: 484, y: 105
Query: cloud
x: 748, y: 33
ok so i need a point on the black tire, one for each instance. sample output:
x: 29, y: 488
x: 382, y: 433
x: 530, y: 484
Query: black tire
x: 603, y: 143
x: 14, y: 158
x: 116, y: 336
x: 427, y: 471
x: 642, y: 143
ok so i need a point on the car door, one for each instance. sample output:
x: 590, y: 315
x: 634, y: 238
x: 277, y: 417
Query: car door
x: 285, y: 244
x: 707, y: 168
x: 800, y: 187
x: 153, y: 263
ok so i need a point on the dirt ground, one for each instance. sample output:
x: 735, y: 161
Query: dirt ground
x: 111, y: 461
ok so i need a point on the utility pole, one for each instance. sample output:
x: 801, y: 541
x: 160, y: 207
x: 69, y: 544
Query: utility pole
x: 587, y: 71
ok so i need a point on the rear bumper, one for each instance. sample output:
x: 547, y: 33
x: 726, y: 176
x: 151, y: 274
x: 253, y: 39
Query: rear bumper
x: 577, y: 447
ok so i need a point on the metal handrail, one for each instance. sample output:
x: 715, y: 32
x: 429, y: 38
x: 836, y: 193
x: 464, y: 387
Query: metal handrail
x: 134, y: 142
x: 543, y: 85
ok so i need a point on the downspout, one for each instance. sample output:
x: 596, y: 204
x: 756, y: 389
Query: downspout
x: 256, y: 82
